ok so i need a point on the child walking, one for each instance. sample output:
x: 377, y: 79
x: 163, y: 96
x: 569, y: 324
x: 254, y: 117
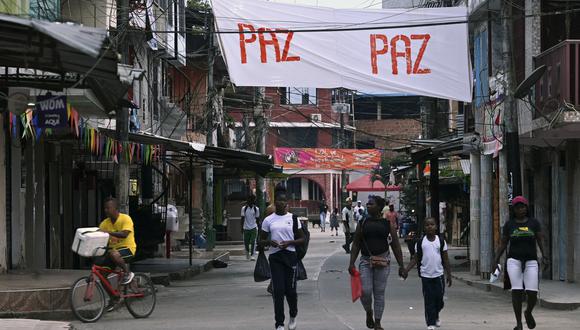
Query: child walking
x: 334, y: 221
x: 433, y: 264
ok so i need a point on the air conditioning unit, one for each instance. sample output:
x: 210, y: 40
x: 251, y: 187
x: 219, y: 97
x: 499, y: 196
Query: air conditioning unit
x: 341, y: 107
x: 316, y: 117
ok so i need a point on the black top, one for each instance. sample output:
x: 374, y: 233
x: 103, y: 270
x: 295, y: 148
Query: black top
x: 375, y: 233
x: 522, y: 239
x: 323, y: 208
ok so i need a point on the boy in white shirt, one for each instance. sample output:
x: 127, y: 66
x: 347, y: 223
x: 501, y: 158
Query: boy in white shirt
x: 433, y: 264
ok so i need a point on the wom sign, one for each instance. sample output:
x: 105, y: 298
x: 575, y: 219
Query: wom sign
x: 423, y: 51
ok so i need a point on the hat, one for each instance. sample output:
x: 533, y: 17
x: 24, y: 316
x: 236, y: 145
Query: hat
x: 359, y: 201
x: 348, y: 199
x: 520, y: 199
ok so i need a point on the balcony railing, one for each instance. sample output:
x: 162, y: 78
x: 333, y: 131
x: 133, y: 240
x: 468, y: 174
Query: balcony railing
x: 561, y: 81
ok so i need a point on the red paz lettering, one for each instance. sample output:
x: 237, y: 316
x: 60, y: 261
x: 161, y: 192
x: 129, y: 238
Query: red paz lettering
x: 266, y: 38
x: 400, y: 46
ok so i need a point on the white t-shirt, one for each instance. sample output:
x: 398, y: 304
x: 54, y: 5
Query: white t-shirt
x: 250, y: 214
x: 357, y: 214
x: 432, y: 262
x: 351, y: 219
x: 281, y: 229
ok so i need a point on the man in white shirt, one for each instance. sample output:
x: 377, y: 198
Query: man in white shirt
x: 250, y: 217
x: 349, y: 224
x: 357, y: 213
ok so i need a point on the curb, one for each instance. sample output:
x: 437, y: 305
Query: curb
x: 546, y: 303
x: 187, y: 273
x: 56, y: 313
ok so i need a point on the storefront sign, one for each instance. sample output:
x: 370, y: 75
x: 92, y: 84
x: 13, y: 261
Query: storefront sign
x: 328, y: 159
x: 51, y: 111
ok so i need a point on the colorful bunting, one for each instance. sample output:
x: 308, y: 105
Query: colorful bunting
x: 91, y: 138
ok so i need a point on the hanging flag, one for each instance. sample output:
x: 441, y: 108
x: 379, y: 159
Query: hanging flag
x: 422, y: 51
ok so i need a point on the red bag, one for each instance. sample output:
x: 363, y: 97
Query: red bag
x: 355, y: 285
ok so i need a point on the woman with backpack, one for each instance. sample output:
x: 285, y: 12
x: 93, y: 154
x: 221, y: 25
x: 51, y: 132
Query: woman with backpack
x: 371, y: 240
x: 285, y: 235
x: 522, y: 234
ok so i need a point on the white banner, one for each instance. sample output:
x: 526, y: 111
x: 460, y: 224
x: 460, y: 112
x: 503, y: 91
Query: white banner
x: 418, y: 51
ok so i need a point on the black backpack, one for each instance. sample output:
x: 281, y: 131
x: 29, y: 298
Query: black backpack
x: 419, y: 251
x: 300, y: 249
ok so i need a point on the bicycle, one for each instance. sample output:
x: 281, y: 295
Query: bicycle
x: 87, y: 294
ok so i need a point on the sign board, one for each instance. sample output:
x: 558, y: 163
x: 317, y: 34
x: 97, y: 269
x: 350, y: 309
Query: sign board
x: 51, y: 111
x: 328, y: 159
x: 423, y: 51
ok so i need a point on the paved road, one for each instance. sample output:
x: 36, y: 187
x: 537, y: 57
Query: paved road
x: 229, y: 299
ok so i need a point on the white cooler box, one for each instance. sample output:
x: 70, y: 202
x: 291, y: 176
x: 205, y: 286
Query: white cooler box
x: 89, y: 242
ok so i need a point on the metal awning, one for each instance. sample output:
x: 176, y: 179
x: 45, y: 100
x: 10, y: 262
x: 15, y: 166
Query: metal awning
x: 221, y: 157
x: 55, y: 47
x: 55, y: 56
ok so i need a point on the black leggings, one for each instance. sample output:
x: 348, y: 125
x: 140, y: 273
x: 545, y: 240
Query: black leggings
x: 283, y: 267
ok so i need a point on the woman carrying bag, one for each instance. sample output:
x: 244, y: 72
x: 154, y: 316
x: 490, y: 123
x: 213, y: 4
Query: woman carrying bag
x: 283, y: 258
x: 522, y: 233
x: 371, y: 240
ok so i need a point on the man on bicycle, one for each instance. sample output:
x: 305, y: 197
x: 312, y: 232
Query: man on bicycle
x: 122, y: 245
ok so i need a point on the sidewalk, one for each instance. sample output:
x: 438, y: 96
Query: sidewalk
x: 24, y: 324
x: 553, y: 294
x: 45, y: 294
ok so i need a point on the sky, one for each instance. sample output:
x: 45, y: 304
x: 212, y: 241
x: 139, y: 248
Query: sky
x: 360, y: 4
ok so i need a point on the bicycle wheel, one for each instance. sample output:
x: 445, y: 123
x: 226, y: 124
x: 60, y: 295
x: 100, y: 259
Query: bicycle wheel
x: 87, y: 309
x: 140, y: 307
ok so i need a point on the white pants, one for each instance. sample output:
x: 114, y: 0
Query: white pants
x: 527, y: 278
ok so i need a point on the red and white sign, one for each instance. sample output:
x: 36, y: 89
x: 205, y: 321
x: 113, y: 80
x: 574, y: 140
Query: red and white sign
x: 421, y: 51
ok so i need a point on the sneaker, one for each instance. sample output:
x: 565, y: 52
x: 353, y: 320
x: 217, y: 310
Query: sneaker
x: 431, y: 327
x: 280, y: 327
x: 292, y: 324
x: 438, y: 323
x: 127, y: 278
x: 111, y: 306
x: 252, y: 258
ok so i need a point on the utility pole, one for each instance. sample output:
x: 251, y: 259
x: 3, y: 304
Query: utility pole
x: 121, y: 114
x: 474, y: 212
x: 211, y: 94
x: 343, y: 171
x: 486, y: 222
x: 260, y: 144
x: 512, y: 139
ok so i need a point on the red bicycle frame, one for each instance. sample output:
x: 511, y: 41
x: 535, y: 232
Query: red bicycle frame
x: 97, y: 272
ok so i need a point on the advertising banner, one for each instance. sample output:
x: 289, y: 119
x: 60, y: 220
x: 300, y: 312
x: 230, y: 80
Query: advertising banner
x: 417, y: 51
x: 51, y: 111
x: 327, y: 159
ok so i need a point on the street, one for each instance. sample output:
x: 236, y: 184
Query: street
x: 230, y: 299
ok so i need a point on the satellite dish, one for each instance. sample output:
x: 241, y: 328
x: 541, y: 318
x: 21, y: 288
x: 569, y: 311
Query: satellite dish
x: 524, y: 88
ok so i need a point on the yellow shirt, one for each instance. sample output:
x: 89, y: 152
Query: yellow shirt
x: 123, y: 222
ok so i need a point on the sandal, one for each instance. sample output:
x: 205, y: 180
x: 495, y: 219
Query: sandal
x: 370, y: 321
x: 530, y: 322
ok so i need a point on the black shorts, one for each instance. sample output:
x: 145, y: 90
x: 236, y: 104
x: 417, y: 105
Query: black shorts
x: 106, y: 261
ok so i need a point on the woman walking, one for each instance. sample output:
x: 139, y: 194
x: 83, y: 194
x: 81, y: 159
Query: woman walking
x: 285, y: 234
x: 522, y: 234
x: 371, y: 241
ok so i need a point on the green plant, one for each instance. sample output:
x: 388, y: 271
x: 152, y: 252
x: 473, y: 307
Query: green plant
x: 198, y: 4
x: 409, y: 197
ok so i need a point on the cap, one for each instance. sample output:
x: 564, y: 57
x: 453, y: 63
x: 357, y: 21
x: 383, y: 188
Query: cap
x: 520, y: 199
x: 348, y: 199
x: 359, y: 201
